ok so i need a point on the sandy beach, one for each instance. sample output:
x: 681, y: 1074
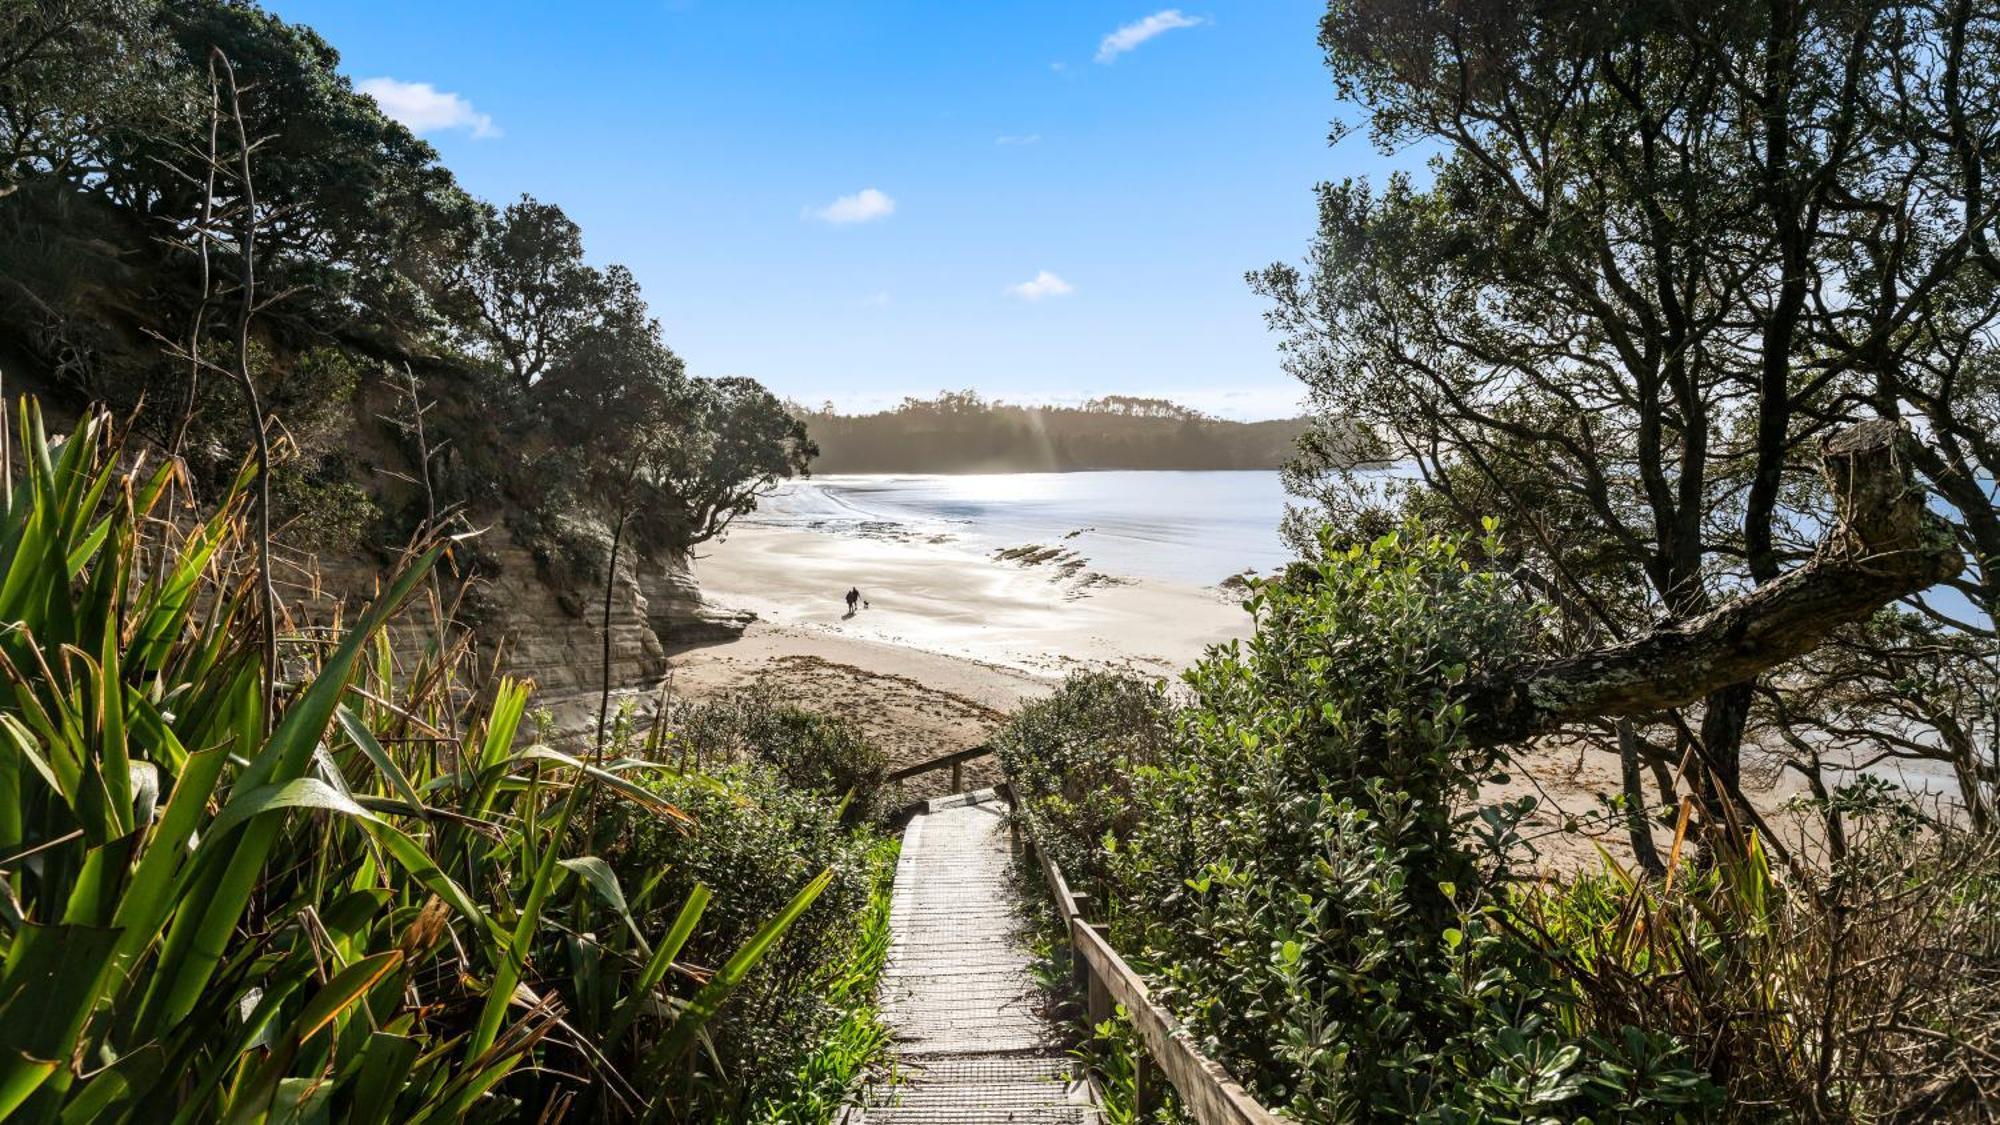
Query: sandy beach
x: 952, y: 639
x: 1044, y: 619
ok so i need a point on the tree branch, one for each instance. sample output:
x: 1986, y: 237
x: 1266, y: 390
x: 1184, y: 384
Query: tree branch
x: 1884, y: 545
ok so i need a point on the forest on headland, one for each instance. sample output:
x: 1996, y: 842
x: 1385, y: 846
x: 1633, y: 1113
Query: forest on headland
x: 960, y: 432
x: 1684, y: 334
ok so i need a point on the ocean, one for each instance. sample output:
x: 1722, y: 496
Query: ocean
x: 1195, y: 528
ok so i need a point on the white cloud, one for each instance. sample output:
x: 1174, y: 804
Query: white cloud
x: 881, y: 300
x: 1044, y: 284
x: 1133, y: 34
x: 863, y: 206
x: 423, y: 108
x: 1019, y: 139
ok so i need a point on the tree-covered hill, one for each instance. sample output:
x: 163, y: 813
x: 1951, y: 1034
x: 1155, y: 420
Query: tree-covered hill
x: 959, y: 432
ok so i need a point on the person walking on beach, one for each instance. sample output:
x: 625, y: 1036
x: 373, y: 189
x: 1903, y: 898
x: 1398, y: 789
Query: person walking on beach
x: 853, y: 599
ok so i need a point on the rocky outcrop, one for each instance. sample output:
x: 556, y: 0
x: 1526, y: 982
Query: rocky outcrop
x: 529, y: 628
x: 678, y: 613
x: 526, y: 625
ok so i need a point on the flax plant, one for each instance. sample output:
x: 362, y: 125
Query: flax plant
x: 334, y: 921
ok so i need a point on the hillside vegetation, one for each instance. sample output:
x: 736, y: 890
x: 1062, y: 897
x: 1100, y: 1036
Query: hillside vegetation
x: 386, y: 897
x: 199, y: 213
x: 963, y: 433
x: 1685, y: 336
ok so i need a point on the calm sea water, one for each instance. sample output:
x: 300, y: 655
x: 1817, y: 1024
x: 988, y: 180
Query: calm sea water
x: 1190, y: 527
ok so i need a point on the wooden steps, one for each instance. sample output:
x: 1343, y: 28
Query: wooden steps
x: 973, y: 1044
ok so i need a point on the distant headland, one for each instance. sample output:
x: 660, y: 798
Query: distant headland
x: 961, y: 432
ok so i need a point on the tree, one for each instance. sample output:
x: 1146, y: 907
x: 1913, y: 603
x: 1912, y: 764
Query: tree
x: 733, y: 442
x: 616, y: 380
x: 121, y: 251
x: 105, y: 111
x: 75, y: 77
x: 1664, y: 249
x: 525, y: 296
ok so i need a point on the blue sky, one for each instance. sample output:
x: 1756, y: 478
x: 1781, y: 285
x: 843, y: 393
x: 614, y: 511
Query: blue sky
x: 859, y: 201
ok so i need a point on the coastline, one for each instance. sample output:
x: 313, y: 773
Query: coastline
x: 1044, y: 618
x: 954, y: 639
x: 951, y: 640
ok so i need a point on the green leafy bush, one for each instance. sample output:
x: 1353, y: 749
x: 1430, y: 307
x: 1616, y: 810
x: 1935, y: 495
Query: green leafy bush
x: 1303, y: 869
x: 810, y: 750
x: 827, y: 1079
x: 756, y: 839
x: 1072, y: 757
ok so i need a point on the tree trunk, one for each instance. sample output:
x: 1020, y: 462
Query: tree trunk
x: 1637, y: 823
x: 1723, y: 718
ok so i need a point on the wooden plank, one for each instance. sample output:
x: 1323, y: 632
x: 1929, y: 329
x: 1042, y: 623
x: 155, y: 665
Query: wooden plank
x: 946, y: 761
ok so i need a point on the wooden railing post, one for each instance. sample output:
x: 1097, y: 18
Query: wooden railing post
x: 1100, y: 995
x: 1079, y: 969
x: 958, y: 777
x: 1149, y: 1091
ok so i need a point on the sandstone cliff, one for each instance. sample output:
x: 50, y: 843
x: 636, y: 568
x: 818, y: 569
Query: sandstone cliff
x: 524, y: 626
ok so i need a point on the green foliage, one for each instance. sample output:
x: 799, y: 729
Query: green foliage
x: 758, y: 840
x: 1112, y: 1051
x: 1072, y: 758
x: 832, y: 1072
x: 1305, y: 874
x: 810, y: 750
x: 547, y: 378
x: 737, y: 440
x: 350, y: 918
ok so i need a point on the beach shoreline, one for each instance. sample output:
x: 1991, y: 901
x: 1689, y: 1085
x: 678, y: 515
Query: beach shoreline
x: 952, y: 640
x: 1043, y: 613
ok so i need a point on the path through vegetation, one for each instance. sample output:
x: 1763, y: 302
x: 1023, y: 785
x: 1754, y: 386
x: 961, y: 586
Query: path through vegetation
x: 974, y: 1043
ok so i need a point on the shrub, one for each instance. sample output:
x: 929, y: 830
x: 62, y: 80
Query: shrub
x: 831, y: 1073
x: 1872, y: 993
x: 1305, y: 873
x: 1072, y: 757
x: 756, y: 839
x: 810, y: 750
x: 1298, y: 858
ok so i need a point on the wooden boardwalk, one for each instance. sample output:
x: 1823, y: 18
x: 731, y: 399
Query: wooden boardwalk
x: 973, y: 1044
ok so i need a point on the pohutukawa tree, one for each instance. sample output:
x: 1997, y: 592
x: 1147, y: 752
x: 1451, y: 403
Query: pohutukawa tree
x: 525, y: 296
x: 1662, y: 250
x: 547, y: 377
x: 738, y: 440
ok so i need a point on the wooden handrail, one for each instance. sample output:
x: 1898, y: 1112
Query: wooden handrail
x: 955, y: 761
x: 1207, y: 1091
